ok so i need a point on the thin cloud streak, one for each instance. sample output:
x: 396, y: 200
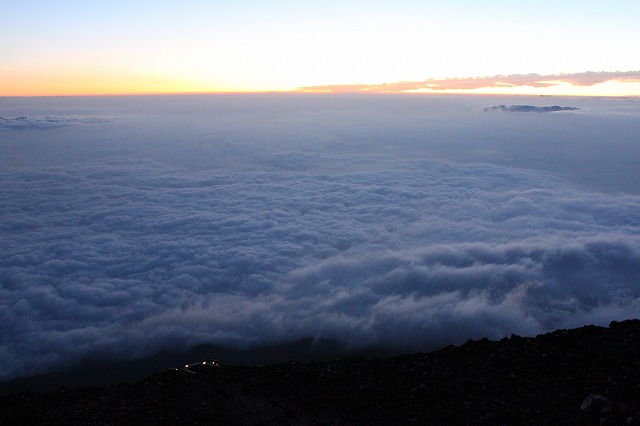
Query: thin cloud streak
x: 499, y: 81
x: 529, y: 108
x: 44, y: 122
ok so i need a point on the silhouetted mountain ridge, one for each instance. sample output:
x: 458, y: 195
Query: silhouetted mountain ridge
x: 517, y: 380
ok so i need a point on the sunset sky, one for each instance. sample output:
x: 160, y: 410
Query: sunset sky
x: 297, y: 207
x: 72, y: 47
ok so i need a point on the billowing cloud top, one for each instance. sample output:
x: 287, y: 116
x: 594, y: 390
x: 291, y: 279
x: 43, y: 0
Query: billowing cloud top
x: 515, y: 80
x: 244, y: 220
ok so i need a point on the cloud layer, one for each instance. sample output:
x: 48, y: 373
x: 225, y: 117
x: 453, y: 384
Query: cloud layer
x: 120, y: 246
x: 124, y: 258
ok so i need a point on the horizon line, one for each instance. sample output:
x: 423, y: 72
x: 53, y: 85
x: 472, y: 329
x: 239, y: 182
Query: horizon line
x: 569, y: 84
x: 321, y: 93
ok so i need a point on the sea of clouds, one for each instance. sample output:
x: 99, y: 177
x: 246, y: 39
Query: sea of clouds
x: 158, y: 223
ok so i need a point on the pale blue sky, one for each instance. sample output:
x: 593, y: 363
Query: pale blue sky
x: 281, y: 45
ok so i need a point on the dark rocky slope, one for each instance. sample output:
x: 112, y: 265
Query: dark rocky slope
x: 515, y: 381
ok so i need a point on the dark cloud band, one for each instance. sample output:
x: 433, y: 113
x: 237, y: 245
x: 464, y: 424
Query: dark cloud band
x: 46, y: 122
x: 529, y: 108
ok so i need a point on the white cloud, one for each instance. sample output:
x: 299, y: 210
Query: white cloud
x: 127, y: 255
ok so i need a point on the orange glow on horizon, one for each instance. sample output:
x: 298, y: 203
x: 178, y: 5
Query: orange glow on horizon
x: 95, y: 84
x: 580, y: 84
x: 98, y: 84
x: 605, y: 89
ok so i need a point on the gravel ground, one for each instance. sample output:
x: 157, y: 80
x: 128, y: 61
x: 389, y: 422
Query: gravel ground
x: 584, y: 376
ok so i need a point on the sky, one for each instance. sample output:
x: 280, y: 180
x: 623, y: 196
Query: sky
x: 137, y: 224
x: 281, y: 192
x: 85, y: 47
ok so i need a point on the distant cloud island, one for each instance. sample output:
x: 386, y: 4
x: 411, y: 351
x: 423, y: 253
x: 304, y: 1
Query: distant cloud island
x: 529, y: 108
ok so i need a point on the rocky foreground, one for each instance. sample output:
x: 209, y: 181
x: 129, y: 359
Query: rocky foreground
x: 589, y: 375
